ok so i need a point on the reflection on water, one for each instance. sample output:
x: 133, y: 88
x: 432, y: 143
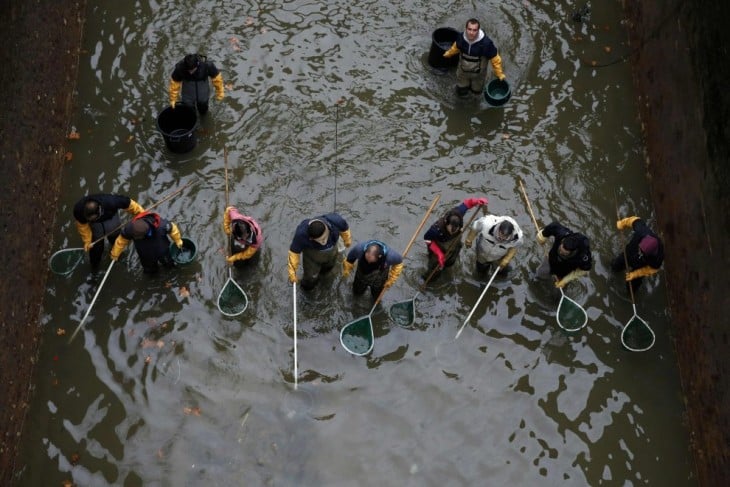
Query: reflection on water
x: 160, y: 388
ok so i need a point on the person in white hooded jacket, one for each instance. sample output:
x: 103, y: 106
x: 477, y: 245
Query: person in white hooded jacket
x: 497, y: 239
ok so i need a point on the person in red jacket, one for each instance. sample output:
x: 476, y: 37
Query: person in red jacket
x: 245, y: 235
x: 443, y: 239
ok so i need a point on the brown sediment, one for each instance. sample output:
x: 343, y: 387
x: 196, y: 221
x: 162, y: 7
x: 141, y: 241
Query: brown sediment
x: 681, y: 73
x: 40, y: 42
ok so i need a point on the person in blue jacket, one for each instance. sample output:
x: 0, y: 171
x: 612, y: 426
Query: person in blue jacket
x: 315, y: 240
x: 378, y: 267
x: 475, y: 50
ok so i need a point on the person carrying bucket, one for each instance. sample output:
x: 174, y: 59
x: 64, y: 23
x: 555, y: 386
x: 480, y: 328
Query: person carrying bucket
x: 475, y: 49
x: 316, y: 241
x: 644, y: 252
x: 569, y: 257
x: 149, y: 232
x: 378, y: 267
x: 443, y: 238
x: 497, y: 239
x: 191, y: 77
x: 96, y: 216
x: 245, y: 235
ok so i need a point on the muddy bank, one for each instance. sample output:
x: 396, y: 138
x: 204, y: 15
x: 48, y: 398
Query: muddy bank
x: 39, y: 60
x: 681, y: 73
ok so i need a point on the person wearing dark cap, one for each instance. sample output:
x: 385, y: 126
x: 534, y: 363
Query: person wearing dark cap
x: 569, y: 257
x: 191, y: 77
x: 97, y: 215
x: 644, y: 252
x: 151, y: 235
x: 475, y: 50
x: 443, y: 238
x: 497, y: 239
x: 315, y: 240
x: 245, y: 235
x: 378, y: 267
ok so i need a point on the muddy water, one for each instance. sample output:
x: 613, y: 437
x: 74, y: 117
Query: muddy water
x: 161, y: 389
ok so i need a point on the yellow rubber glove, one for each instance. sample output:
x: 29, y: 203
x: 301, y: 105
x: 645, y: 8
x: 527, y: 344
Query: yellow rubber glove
x: 119, y: 245
x: 227, y: 220
x: 625, y: 223
x: 641, y: 272
x: 469, y: 240
x: 504, y: 261
x: 453, y: 51
x: 134, y: 208
x: 497, y: 67
x: 84, y: 230
x: 541, y: 238
x: 218, y: 84
x: 292, y: 264
x: 175, y: 236
x: 393, y: 274
x: 347, y: 267
x: 243, y: 255
x: 346, y: 237
x: 174, y: 91
x: 573, y: 275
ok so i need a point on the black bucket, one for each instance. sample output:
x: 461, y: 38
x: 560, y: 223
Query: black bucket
x: 441, y: 41
x: 177, y: 126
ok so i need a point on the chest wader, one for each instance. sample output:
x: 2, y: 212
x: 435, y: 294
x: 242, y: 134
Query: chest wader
x: 316, y: 262
x: 470, y: 74
x: 98, y: 230
x: 196, y: 93
x: 154, y: 250
x: 375, y: 279
x: 451, y: 251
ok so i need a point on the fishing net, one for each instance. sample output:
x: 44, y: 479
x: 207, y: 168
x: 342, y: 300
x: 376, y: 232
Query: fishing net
x: 637, y: 336
x: 571, y: 316
x: 232, y: 300
x: 357, y: 336
x: 64, y: 261
x: 403, y: 313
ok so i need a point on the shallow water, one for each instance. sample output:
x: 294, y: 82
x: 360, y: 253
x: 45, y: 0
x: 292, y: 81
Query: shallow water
x: 333, y: 106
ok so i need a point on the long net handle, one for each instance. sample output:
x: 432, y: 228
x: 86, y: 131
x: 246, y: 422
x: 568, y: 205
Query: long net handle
x: 410, y: 244
x: 529, y: 206
x: 154, y: 205
x: 296, y: 373
x: 626, y: 257
x: 96, y: 295
x: 225, y: 166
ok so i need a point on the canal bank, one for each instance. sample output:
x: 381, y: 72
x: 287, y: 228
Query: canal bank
x: 45, y: 126
x: 680, y: 72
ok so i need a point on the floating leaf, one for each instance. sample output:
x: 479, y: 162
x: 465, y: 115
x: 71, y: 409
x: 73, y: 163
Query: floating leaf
x: 74, y: 135
x: 147, y: 359
x: 75, y: 458
x: 69, y: 156
x: 184, y: 292
x: 249, y: 21
x: 192, y: 411
x: 607, y: 48
x: 130, y: 139
x: 60, y: 331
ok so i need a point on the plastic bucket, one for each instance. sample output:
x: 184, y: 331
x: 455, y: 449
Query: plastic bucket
x: 177, y: 126
x: 186, y: 254
x: 441, y: 41
x: 497, y: 92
